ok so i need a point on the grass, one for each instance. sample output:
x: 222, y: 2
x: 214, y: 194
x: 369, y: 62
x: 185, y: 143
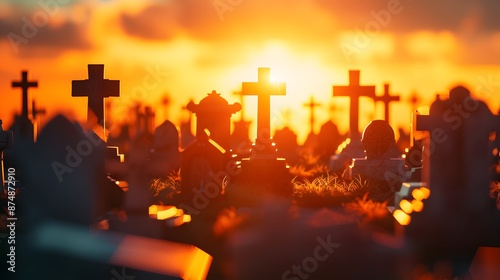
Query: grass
x: 332, y: 190
x: 164, y: 190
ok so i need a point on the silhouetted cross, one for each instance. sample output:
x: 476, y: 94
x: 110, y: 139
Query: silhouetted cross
x: 263, y: 88
x: 96, y: 88
x: 354, y: 90
x: 24, y: 84
x: 387, y: 98
x: 36, y: 111
x: 311, y: 104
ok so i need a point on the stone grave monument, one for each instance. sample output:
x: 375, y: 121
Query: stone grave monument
x: 378, y: 165
x: 354, y: 149
x: 263, y: 172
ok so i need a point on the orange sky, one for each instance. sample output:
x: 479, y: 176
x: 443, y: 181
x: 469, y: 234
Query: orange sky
x: 195, y: 46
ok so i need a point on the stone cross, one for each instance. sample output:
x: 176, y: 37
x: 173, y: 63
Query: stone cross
x: 387, y: 98
x: 242, y: 111
x: 36, y: 111
x: 24, y: 84
x: 263, y: 88
x: 149, y: 119
x: 354, y: 90
x: 311, y: 104
x: 96, y: 88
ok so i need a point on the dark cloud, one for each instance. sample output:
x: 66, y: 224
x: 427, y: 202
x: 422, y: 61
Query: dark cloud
x: 451, y: 15
x: 25, y: 33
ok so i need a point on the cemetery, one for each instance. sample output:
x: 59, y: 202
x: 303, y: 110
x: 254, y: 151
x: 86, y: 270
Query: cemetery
x: 254, y: 165
x: 147, y: 207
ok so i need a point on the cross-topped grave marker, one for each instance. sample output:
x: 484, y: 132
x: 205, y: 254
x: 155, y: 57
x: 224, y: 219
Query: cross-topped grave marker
x: 354, y: 90
x: 96, y: 88
x: 311, y: 104
x: 387, y: 98
x: 263, y: 88
x: 24, y: 84
x: 36, y: 111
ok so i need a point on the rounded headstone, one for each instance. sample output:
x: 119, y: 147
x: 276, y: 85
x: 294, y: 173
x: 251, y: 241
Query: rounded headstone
x: 377, y: 138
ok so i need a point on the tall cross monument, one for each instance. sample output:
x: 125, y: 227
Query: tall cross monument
x: 24, y: 84
x: 387, y: 98
x: 96, y: 88
x: 263, y: 88
x: 354, y: 91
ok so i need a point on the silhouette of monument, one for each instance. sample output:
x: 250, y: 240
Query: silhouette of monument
x: 387, y: 98
x: 96, y: 88
x: 23, y: 127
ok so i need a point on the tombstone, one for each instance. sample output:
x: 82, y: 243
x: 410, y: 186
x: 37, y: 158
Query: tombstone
x: 329, y: 139
x: 213, y: 113
x: 165, y: 157
x: 387, y: 98
x: 263, y: 173
x: 23, y: 127
x: 206, y: 158
x: 354, y: 149
x: 379, y: 165
x: 312, y: 138
x: 286, y: 145
x: 96, y: 88
x: 35, y: 112
x: 459, y: 214
x: 187, y: 136
x: 240, y: 138
x: 6, y: 141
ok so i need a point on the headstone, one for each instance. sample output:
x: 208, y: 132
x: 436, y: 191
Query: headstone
x: 96, y: 88
x: 23, y: 127
x: 379, y: 166
x: 286, y: 145
x: 6, y: 141
x: 207, y: 157
x: 187, y: 136
x: 387, y: 98
x: 263, y: 173
x: 354, y: 149
x: 311, y: 106
x: 240, y: 138
x: 459, y: 214
x: 354, y: 91
x: 213, y: 113
x: 24, y: 84
x: 165, y: 157
x: 329, y: 139
x: 35, y: 112
x: 263, y: 88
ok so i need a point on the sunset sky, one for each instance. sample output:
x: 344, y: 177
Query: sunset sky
x: 190, y: 47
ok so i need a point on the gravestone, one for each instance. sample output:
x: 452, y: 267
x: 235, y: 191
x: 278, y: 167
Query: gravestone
x: 286, y: 145
x: 240, y: 138
x: 459, y: 214
x: 263, y: 172
x: 187, y: 136
x: 23, y: 127
x: 387, y: 98
x: 206, y: 158
x: 35, y: 112
x: 311, y: 106
x: 165, y: 157
x: 379, y: 166
x: 6, y: 141
x: 354, y: 149
x: 96, y: 88
x: 213, y: 113
x: 329, y: 139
